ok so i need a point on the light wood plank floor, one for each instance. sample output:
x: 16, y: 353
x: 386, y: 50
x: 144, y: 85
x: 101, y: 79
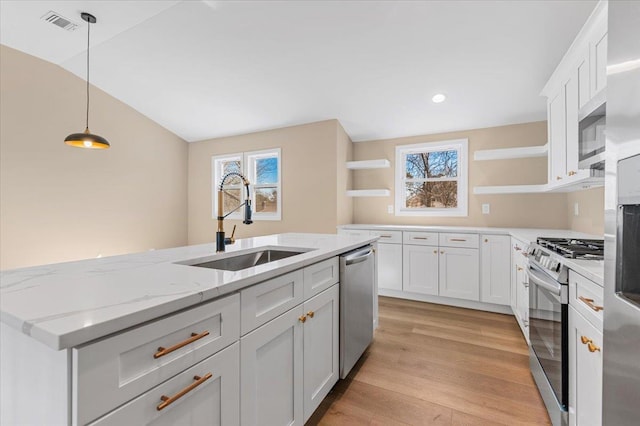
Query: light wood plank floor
x: 438, y: 365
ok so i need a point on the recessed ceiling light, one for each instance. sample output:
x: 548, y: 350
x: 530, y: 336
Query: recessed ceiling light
x: 438, y: 97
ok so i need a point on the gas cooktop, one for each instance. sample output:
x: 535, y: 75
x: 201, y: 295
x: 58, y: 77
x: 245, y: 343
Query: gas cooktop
x: 574, y: 248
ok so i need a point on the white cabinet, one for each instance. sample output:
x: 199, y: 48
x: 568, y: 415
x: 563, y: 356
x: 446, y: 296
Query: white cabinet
x: 520, y: 285
x: 271, y: 362
x: 458, y: 273
x: 557, y: 134
x: 420, y: 269
x: 585, y: 371
x: 321, y: 348
x: 389, y: 266
x: 598, y: 51
x: 571, y: 103
x: 203, y: 395
x: 495, y: 269
x: 583, y: 73
x: 291, y: 363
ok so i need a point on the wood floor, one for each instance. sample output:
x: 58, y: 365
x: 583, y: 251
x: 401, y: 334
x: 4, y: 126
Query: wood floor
x: 438, y: 365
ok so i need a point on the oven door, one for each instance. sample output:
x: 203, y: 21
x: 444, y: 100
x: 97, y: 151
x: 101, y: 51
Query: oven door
x: 548, y: 332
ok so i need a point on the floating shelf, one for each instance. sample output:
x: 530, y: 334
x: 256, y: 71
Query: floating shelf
x: 510, y: 189
x: 368, y: 193
x: 369, y: 164
x: 508, y: 153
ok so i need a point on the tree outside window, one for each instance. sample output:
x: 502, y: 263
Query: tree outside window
x: 431, y: 179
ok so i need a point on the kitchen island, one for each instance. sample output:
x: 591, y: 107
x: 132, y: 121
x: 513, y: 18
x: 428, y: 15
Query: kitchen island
x: 99, y: 340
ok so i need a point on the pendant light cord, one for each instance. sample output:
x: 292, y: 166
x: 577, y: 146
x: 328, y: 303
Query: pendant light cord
x: 88, y: 36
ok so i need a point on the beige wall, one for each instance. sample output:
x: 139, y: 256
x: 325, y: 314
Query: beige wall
x: 309, y: 180
x: 527, y: 210
x: 59, y: 203
x: 344, y: 204
x: 590, y: 217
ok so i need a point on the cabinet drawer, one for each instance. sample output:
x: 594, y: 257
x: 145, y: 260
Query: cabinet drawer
x: 114, y: 370
x: 587, y: 298
x: 459, y: 240
x: 421, y: 238
x: 214, y: 401
x: 320, y: 276
x: 388, y: 237
x: 267, y: 300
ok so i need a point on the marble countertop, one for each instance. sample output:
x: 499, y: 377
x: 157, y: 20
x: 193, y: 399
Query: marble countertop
x: 68, y: 304
x: 590, y: 269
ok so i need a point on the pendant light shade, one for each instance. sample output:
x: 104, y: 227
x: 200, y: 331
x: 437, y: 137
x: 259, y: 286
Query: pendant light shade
x: 86, y: 139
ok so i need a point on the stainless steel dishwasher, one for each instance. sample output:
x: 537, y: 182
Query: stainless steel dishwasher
x: 357, y: 275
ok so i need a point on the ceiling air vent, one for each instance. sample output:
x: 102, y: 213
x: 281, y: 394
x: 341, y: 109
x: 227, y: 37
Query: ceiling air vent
x: 59, y: 20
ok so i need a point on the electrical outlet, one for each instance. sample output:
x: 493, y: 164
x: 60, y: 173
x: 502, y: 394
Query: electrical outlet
x: 390, y: 209
x: 576, y: 209
x: 486, y: 208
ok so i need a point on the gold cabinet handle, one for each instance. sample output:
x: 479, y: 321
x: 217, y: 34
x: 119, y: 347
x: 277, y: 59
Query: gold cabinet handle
x: 166, y: 401
x: 585, y: 340
x: 571, y: 173
x: 303, y: 318
x: 486, y: 240
x: 589, y: 303
x: 420, y: 238
x: 519, y: 268
x: 558, y: 178
x: 592, y: 348
x: 310, y: 314
x: 384, y: 236
x: 165, y: 351
x: 435, y: 252
x: 457, y: 239
x: 442, y: 252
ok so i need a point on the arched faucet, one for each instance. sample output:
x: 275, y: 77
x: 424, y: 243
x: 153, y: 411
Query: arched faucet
x: 221, y: 241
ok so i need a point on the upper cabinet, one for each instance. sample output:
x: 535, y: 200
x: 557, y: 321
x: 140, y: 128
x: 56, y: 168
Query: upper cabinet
x: 576, y: 88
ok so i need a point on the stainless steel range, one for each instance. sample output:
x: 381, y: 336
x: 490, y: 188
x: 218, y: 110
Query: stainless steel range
x: 549, y: 317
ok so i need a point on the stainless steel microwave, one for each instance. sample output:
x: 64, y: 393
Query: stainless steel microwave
x: 591, y: 139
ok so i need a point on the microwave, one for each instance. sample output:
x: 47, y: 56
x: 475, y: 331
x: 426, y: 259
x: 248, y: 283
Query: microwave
x: 591, y: 137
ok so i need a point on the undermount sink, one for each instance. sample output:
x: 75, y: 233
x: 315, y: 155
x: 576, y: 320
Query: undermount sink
x: 244, y: 260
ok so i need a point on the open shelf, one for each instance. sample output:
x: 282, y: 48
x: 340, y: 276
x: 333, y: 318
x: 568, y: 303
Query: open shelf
x: 369, y: 164
x: 368, y: 193
x: 510, y: 189
x: 509, y: 153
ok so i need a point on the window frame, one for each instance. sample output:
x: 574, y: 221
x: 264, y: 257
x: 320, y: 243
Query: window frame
x: 460, y: 145
x: 247, y: 168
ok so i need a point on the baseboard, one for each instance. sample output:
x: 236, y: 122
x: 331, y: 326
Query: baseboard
x: 440, y: 300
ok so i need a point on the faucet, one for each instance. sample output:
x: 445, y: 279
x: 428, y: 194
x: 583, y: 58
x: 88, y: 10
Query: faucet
x: 221, y: 241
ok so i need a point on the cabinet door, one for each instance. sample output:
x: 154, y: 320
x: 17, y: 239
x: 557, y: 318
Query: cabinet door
x: 522, y: 296
x: 271, y: 365
x: 495, y: 269
x: 459, y: 273
x: 571, y: 101
x: 599, y: 59
x: 213, y: 401
x: 321, y: 347
x: 584, y: 83
x: 557, y: 138
x: 420, y: 269
x: 390, y: 266
x: 585, y: 371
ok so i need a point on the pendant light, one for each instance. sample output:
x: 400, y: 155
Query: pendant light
x: 86, y: 139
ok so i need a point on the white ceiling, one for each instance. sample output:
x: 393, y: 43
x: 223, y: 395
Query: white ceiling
x: 205, y: 69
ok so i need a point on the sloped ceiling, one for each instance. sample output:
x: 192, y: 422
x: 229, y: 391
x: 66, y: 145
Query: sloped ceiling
x: 206, y: 69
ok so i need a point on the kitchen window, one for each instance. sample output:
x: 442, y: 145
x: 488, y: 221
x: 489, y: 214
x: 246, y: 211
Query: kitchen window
x: 431, y: 179
x: 263, y: 170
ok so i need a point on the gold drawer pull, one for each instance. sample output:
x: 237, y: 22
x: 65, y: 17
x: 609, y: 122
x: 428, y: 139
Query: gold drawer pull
x: 519, y: 268
x: 303, y: 318
x: 385, y: 236
x: 558, y: 178
x: 486, y: 240
x: 457, y: 239
x: 585, y: 340
x: 592, y: 347
x: 194, y: 336
x: 420, y: 238
x: 435, y: 252
x: 589, y: 303
x: 310, y: 314
x: 166, y: 401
